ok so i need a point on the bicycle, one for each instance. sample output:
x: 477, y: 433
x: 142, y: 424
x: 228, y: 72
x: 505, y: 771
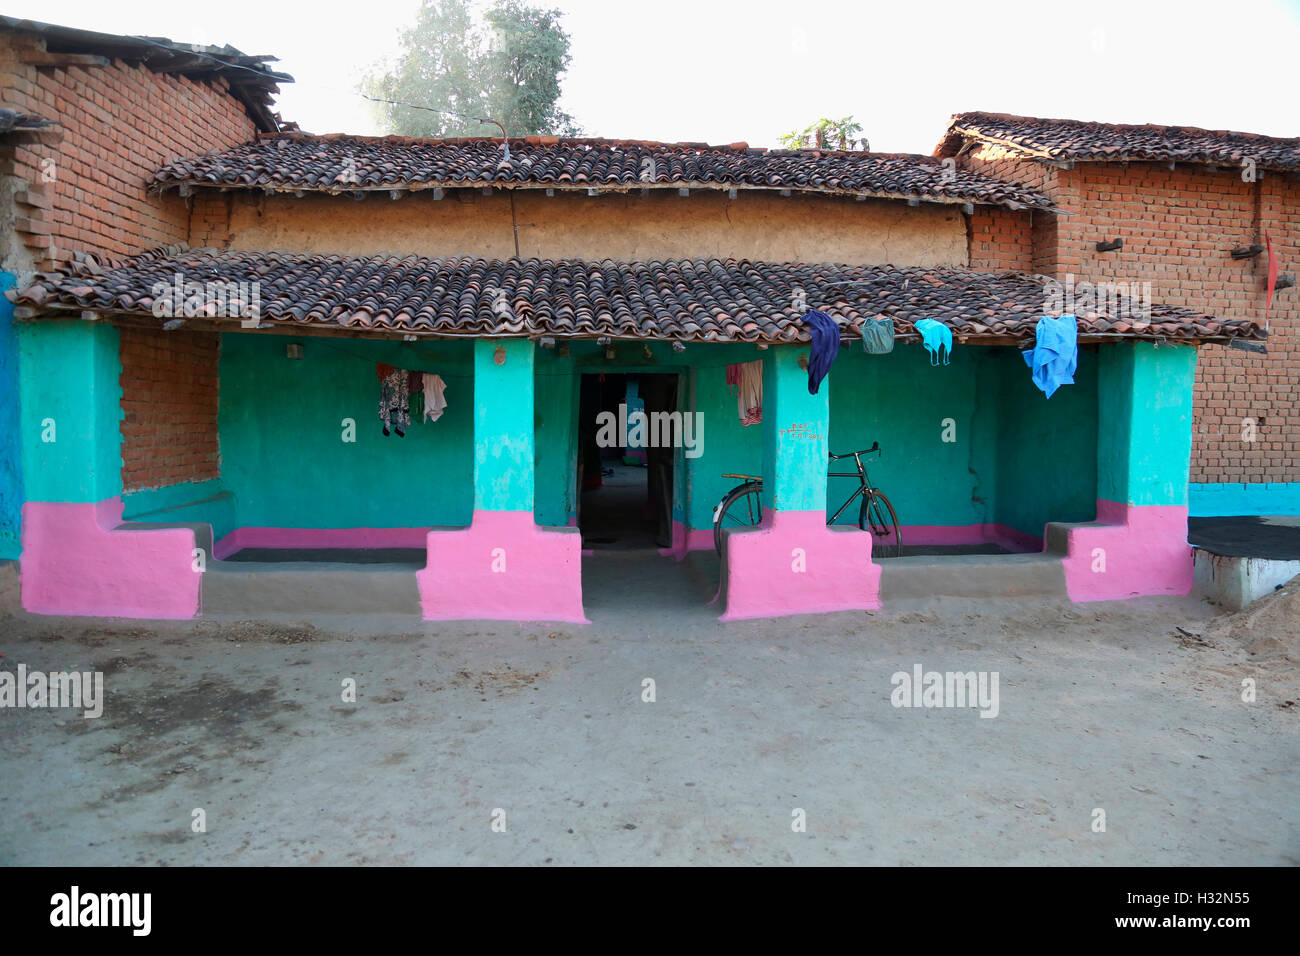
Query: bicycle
x: 742, y: 507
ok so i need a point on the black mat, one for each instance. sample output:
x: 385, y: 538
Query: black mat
x: 1245, y: 536
x: 911, y: 550
x: 412, y: 556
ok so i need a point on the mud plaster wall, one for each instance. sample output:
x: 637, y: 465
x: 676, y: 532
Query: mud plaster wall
x: 702, y: 225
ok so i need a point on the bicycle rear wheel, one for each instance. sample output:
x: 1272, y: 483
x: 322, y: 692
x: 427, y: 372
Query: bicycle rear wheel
x: 877, y: 516
x: 741, y: 508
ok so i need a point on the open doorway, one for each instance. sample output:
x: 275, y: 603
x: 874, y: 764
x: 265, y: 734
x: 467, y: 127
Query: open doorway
x: 625, y: 493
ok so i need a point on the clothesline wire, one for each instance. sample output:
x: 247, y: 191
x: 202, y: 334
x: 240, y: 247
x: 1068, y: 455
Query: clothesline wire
x: 578, y: 369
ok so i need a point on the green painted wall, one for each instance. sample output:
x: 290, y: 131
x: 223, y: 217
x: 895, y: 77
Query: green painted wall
x: 69, y: 372
x: 910, y: 408
x: 1145, y: 422
x: 1046, y: 448
x: 505, y: 446
x: 1017, y: 458
x: 282, y: 453
x: 555, y: 417
x: 795, y: 425
x: 186, y: 503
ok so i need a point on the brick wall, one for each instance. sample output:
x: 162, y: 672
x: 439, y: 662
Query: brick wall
x: 1001, y: 239
x: 1178, y: 227
x: 169, y: 405
x: 119, y: 124
x: 210, y: 219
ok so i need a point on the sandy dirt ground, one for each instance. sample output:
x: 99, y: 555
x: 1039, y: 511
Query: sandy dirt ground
x: 1135, y: 709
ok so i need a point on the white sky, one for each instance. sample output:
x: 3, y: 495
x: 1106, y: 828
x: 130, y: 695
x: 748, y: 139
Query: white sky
x: 718, y: 72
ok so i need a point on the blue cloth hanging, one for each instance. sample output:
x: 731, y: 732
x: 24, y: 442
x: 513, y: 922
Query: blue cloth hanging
x: 937, y: 339
x: 825, y: 346
x: 1055, y: 355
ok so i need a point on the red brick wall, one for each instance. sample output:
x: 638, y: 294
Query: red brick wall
x: 1178, y: 227
x: 210, y: 219
x: 119, y: 124
x: 169, y: 405
x: 1001, y: 239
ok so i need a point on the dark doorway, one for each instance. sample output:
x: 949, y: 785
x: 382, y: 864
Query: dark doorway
x: 626, y: 493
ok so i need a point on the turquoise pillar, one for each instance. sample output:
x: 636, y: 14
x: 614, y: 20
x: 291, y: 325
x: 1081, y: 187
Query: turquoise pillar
x: 1138, y: 544
x: 796, y: 426
x: 792, y: 563
x: 1144, y: 423
x: 11, y: 460
x: 71, y: 406
x: 74, y: 558
x: 504, y: 566
x: 504, y: 436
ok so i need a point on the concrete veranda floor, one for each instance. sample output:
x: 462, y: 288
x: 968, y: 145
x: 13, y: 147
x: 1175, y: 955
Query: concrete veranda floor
x: 1101, y: 706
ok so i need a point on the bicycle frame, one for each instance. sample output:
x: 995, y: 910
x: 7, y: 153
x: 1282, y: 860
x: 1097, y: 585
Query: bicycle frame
x: 864, y: 486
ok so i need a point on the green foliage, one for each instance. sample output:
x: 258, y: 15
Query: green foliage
x: 826, y: 134
x: 506, y: 67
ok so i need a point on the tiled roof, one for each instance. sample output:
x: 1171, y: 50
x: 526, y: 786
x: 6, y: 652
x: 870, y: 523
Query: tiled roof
x: 250, y: 77
x: 712, y: 300
x: 1067, y: 140
x: 335, y: 164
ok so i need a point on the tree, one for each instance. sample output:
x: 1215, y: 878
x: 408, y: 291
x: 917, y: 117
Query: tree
x: 826, y: 134
x: 505, y: 66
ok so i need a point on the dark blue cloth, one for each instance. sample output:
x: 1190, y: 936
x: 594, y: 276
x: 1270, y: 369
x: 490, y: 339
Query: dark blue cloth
x: 825, y: 346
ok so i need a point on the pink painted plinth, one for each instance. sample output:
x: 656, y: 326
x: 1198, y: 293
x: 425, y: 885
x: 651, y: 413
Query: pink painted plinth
x: 541, y: 580
x: 759, y: 576
x: 76, y: 561
x: 1144, y: 547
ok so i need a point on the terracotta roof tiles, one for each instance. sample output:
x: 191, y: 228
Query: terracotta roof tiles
x: 702, y: 300
x: 1075, y: 140
x: 340, y: 164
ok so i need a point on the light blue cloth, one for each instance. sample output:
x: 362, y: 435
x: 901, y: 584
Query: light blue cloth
x: 1055, y: 354
x: 936, y: 337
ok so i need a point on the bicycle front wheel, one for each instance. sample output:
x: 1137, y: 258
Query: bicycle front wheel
x: 742, y: 508
x: 877, y: 516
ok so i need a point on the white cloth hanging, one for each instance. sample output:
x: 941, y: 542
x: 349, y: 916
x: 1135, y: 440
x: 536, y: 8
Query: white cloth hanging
x: 434, y: 400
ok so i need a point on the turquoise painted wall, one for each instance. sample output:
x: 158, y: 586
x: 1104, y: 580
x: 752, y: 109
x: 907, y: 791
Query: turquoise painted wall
x: 184, y: 503
x: 1213, y: 500
x: 1145, y: 422
x: 1046, y: 448
x: 504, y: 420
x: 282, y: 454
x: 69, y: 375
x: 1017, y: 458
x: 1014, y: 456
x: 11, y: 459
x: 555, y: 417
x: 795, y: 426
x: 910, y: 407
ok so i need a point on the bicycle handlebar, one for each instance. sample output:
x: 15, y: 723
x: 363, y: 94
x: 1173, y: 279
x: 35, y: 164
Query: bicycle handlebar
x: 875, y: 446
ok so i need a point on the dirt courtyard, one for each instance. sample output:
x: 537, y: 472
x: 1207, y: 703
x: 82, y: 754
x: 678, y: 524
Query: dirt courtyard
x: 1132, y: 709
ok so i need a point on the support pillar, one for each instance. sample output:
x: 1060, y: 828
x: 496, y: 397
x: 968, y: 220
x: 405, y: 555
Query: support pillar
x: 77, y: 557
x: 792, y: 563
x: 503, y: 566
x: 1138, y: 544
